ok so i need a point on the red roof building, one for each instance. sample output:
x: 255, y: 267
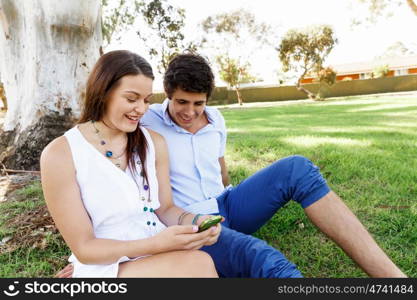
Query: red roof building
x: 397, y: 66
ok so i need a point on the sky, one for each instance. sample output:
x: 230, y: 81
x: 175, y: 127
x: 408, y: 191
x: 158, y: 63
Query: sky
x: 356, y: 43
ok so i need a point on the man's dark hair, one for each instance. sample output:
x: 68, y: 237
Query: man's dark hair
x: 189, y: 72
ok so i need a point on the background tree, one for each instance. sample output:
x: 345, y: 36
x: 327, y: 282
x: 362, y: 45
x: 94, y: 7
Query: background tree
x: 384, y: 8
x: 237, y: 26
x: 163, y: 37
x: 46, y: 50
x: 326, y: 78
x: 396, y: 49
x: 230, y: 34
x: 305, y: 50
x: 380, y: 71
x: 117, y: 17
x: 234, y: 73
x: 160, y: 26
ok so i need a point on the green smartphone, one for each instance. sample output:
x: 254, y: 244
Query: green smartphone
x: 207, y: 223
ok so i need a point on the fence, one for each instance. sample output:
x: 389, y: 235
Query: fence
x: 222, y: 95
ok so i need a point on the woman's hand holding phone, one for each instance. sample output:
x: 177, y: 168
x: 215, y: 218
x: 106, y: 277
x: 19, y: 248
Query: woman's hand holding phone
x: 212, y: 223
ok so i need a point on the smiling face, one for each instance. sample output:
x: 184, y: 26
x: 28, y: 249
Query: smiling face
x: 186, y: 109
x: 128, y: 102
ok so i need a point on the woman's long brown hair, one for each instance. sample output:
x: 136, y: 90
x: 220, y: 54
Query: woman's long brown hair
x: 105, y: 76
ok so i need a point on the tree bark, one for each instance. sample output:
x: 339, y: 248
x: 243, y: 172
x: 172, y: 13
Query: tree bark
x: 239, y: 96
x: 309, y: 94
x: 413, y: 6
x: 47, y: 48
x: 3, y: 96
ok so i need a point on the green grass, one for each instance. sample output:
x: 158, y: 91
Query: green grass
x: 28, y: 259
x: 366, y: 147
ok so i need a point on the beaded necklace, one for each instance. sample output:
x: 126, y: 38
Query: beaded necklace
x: 147, y: 202
x: 146, y: 199
x: 109, y: 153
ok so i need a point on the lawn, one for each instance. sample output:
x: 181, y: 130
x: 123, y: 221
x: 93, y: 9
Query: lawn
x: 366, y: 147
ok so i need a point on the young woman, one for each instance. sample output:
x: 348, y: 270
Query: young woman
x: 106, y: 184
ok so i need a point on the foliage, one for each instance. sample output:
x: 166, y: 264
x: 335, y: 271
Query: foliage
x: 284, y: 78
x: 160, y: 24
x: 326, y: 78
x: 327, y: 75
x: 378, y: 8
x: 396, y: 49
x: 166, y: 23
x: 383, y: 8
x: 380, y: 71
x: 238, y: 25
x: 118, y: 18
x: 234, y: 73
x: 229, y: 33
x: 305, y: 50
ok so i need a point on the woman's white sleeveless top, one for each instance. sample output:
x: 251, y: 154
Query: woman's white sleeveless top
x: 118, y: 207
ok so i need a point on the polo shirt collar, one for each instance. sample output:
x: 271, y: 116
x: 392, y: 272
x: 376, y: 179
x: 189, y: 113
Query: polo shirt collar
x: 165, y: 116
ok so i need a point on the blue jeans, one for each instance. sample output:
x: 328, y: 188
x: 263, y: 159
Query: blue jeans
x: 250, y: 205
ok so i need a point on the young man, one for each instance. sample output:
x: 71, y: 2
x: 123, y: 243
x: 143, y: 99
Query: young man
x: 196, y: 138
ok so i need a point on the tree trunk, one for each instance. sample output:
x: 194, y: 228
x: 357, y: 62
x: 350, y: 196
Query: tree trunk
x: 47, y: 49
x: 3, y: 96
x: 239, y: 96
x: 309, y: 94
x: 322, y: 92
x: 413, y: 6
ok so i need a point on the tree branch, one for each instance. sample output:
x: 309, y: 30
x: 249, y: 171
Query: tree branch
x: 413, y: 6
x: 20, y: 171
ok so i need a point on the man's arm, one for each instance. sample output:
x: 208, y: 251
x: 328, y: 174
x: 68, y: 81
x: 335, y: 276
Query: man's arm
x: 225, y: 173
